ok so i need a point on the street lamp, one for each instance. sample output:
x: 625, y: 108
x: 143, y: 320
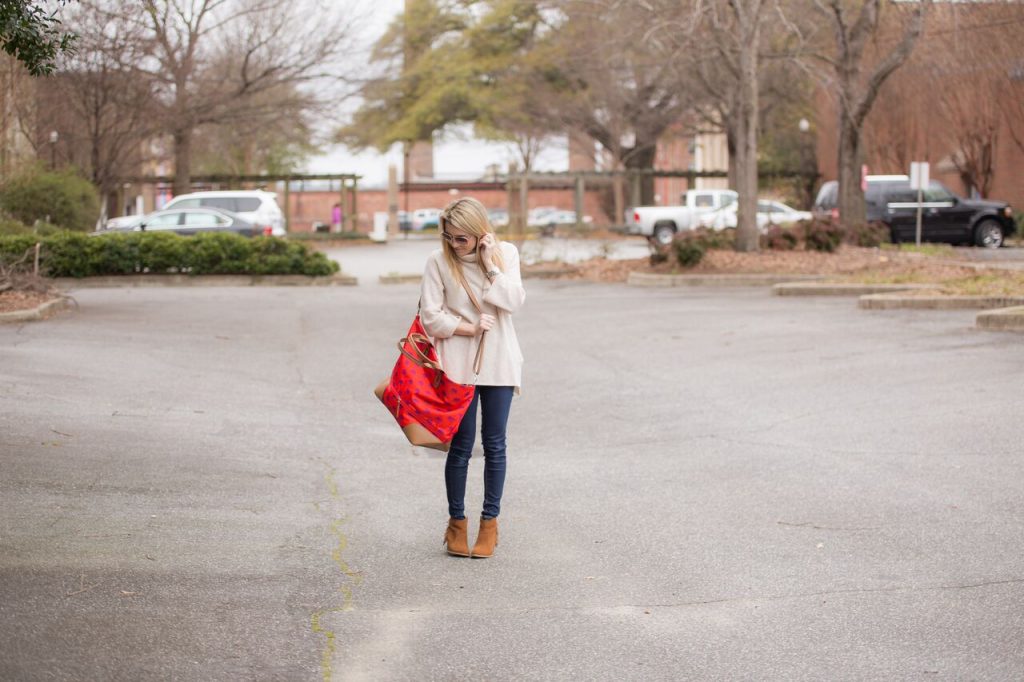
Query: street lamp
x: 808, y: 159
x: 54, y: 136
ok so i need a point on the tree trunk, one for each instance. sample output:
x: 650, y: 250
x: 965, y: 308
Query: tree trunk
x: 617, y: 195
x: 182, y: 160
x: 730, y: 143
x: 747, y: 233
x: 851, y: 196
x: 856, y: 99
x: 642, y: 158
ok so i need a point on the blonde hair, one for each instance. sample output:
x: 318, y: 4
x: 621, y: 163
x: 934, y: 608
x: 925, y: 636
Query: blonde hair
x: 467, y: 215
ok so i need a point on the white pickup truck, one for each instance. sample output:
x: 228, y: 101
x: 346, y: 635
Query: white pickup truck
x: 662, y: 223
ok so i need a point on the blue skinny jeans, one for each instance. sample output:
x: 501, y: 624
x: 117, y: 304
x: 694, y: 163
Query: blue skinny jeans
x: 495, y: 402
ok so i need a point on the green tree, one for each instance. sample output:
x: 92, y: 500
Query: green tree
x: 426, y: 82
x: 32, y: 35
x: 519, y: 71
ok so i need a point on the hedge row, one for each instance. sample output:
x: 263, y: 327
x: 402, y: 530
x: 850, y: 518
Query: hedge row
x: 73, y: 254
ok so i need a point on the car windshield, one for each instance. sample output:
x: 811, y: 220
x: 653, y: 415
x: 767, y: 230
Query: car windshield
x: 937, y: 192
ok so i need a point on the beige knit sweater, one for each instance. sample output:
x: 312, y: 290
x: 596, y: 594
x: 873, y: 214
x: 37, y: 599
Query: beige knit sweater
x: 444, y: 303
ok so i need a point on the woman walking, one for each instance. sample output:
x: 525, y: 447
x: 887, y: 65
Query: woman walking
x: 471, y: 288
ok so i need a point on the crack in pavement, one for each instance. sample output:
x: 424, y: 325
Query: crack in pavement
x: 704, y: 602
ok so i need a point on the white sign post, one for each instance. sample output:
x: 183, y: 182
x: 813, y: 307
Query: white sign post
x: 919, y: 181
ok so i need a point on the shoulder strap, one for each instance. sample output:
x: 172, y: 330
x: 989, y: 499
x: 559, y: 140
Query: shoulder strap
x: 479, y: 359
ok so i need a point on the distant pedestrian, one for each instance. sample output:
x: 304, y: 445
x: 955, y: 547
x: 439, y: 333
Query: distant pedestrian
x: 472, y: 286
x: 336, y: 218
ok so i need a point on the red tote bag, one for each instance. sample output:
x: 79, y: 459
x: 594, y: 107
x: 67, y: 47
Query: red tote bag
x: 427, y: 405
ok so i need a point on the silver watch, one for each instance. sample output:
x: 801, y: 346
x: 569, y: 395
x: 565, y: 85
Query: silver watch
x: 491, y: 274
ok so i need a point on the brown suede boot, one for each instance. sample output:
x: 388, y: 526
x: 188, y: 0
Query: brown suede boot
x: 457, y: 537
x: 486, y: 539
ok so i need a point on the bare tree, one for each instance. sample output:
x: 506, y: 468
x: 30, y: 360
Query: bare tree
x: 857, y: 79
x: 968, y: 55
x: 972, y: 62
x: 273, y: 135
x: 102, y: 112
x: 210, y: 60
x: 616, y: 81
x: 735, y: 27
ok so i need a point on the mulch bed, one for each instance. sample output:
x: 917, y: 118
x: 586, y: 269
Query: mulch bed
x: 12, y: 301
x: 848, y: 263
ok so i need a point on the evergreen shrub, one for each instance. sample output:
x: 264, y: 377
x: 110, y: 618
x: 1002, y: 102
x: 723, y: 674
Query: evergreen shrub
x: 75, y: 254
x: 62, y: 198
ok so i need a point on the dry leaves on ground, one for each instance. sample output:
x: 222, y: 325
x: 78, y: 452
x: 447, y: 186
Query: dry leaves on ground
x: 849, y: 263
x: 12, y: 301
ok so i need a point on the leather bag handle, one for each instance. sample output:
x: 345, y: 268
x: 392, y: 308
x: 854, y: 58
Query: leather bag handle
x: 420, y: 358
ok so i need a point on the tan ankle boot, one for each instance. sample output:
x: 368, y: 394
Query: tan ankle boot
x: 457, y: 537
x: 486, y: 539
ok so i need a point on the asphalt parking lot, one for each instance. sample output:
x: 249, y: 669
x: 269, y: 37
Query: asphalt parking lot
x: 197, y: 484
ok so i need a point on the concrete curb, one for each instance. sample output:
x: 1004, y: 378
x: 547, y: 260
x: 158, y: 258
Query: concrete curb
x: 896, y: 301
x: 1002, y: 319
x: 40, y: 312
x: 841, y: 289
x: 643, y: 279
x: 400, y: 279
x: 538, y: 273
x: 550, y: 272
x: 69, y: 283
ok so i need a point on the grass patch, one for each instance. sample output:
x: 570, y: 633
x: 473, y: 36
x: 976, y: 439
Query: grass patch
x: 884, y: 277
x: 983, y: 283
x: 938, y: 250
x: 987, y: 284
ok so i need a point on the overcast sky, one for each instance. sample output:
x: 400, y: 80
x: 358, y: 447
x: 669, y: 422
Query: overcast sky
x: 456, y: 156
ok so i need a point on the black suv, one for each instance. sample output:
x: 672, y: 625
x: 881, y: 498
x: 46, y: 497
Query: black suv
x: 945, y: 217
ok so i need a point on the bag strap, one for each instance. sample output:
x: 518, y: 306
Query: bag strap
x: 478, y: 361
x: 420, y: 358
x: 427, y: 362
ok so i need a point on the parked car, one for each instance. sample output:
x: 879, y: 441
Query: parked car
x: 498, y: 216
x: 550, y: 220
x: 536, y: 217
x: 945, y: 217
x: 425, y: 218
x: 189, y: 221
x: 404, y: 221
x: 768, y: 213
x: 662, y: 223
x: 258, y: 207
x: 124, y: 222
x: 826, y: 204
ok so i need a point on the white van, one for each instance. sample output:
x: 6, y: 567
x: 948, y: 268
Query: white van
x: 256, y: 206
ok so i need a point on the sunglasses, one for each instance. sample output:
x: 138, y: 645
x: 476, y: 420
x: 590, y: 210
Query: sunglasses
x: 457, y: 240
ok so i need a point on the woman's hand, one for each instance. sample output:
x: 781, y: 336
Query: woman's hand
x: 485, y: 249
x: 485, y: 324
